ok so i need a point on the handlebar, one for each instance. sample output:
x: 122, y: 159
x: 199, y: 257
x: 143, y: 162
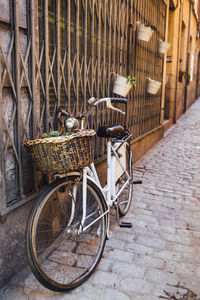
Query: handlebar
x: 93, y: 102
x: 109, y: 102
x: 115, y: 100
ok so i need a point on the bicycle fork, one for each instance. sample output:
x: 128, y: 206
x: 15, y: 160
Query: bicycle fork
x: 84, y: 206
x: 84, y: 202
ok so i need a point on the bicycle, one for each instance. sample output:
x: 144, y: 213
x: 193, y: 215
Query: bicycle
x: 69, y: 222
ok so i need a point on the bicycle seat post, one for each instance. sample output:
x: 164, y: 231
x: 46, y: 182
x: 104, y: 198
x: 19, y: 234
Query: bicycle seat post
x: 109, y: 172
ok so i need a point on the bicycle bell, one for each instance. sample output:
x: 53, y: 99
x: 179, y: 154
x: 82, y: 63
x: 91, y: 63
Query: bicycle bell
x: 72, y: 123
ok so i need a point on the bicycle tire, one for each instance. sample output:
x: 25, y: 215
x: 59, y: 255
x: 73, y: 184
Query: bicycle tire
x: 59, y: 259
x: 125, y: 199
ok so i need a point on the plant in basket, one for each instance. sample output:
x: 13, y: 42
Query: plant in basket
x: 163, y: 47
x: 123, y: 85
x: 145, y: 32
x: 60, y: 152
x: 55, y: 134
x: 153, y: 85
x: 151, y: 26
x: 187, y: 76
x: 131, y: 80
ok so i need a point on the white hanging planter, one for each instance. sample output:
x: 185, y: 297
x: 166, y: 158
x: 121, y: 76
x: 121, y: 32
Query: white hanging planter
x: 164, y: 47
x: 145, y: 33
x: 121, y: 87
x: 153, y: 86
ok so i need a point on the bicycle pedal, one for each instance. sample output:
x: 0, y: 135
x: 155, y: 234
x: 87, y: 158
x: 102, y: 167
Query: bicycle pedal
x: 137, y: 182
x: 126, y: 225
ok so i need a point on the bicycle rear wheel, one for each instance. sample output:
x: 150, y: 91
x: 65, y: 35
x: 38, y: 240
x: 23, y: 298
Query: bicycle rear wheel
x: 61, y: 255
x: 126, y: 197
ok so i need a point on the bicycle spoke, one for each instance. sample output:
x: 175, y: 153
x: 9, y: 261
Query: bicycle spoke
x: 63, y: 252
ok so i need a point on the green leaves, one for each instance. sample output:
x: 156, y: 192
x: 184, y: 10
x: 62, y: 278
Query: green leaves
x: 55, y: 134
x: 131, y: 80
x: 186, y: 75
x: 152, y: 27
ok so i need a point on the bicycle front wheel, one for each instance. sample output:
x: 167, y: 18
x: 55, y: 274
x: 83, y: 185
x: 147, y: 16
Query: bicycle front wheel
x: 61, y: 254
x: 126, y: 196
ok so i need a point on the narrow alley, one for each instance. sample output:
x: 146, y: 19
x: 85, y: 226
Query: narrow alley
x: 159, y: 257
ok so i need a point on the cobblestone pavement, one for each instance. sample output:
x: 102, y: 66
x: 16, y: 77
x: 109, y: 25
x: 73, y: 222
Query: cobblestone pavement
x: 159, y: 257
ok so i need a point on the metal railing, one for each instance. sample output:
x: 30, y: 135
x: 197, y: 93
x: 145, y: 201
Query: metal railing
x: 61, y: 53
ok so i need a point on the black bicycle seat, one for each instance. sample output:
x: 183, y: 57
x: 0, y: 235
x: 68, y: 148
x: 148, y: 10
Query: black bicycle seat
x: 110, y: 131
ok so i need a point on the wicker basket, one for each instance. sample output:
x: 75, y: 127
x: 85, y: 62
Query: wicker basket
x: 61, y: 154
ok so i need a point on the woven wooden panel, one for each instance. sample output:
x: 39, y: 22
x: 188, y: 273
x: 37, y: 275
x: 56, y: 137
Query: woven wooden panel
x: 62, y: 52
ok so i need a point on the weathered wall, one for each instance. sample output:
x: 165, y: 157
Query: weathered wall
x: 12, y: 227
x: 12, y: 243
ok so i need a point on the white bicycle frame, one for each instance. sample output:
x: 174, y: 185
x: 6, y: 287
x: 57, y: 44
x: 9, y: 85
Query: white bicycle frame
x: 109, y: 190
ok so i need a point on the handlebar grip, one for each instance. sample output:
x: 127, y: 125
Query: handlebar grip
x: 119, y: 100
x: 63, y: 111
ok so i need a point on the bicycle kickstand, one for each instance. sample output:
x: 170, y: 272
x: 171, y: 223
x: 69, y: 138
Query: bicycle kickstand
x: 121, y: 224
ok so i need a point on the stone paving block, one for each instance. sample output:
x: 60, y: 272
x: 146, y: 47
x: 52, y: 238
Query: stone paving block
x: 191, y: 259
x: 121, y: 256
x: 161, y: 229
x: 121, y: 237
x: 109, y: 294
x: 127, y: 270
x: 140, y: 211
x: 169, y: 255
x: 105, y: 264
x: 136, y: 285
x: 140, y: 249
x: 139, y: 223
x: 145, y: 297
x: 146, y: 218
x: 183, y: 269
x: 180, y: 248
x: 114, y: 243
x: 149, y: 261
x: 104, y: 278
x: 87, y: 288
x: 178, y: 238
x: 159, y: 276
x: 151, y: 242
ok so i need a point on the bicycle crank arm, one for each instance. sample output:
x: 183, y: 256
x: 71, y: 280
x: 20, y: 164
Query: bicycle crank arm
x: 137, y: 182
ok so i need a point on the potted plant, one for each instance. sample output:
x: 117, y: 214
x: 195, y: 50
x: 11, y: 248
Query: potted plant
x: 145, y: 32
x: 122, y: 85
x: 153, y: 85
x: 163, y: 47
x: 187, y: 76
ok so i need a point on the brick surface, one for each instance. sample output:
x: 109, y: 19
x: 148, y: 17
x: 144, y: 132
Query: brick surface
x: 159, y: 256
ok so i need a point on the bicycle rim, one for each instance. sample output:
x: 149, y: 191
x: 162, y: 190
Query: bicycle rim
x: 60, y: 257
x: 125, y: 198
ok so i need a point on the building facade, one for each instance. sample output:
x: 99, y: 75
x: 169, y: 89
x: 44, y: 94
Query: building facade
x: 182, y: 58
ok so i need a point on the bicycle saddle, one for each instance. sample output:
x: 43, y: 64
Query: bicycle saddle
x: 110, y: 131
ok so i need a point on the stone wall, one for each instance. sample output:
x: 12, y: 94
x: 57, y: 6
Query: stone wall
x: 12, y: 226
